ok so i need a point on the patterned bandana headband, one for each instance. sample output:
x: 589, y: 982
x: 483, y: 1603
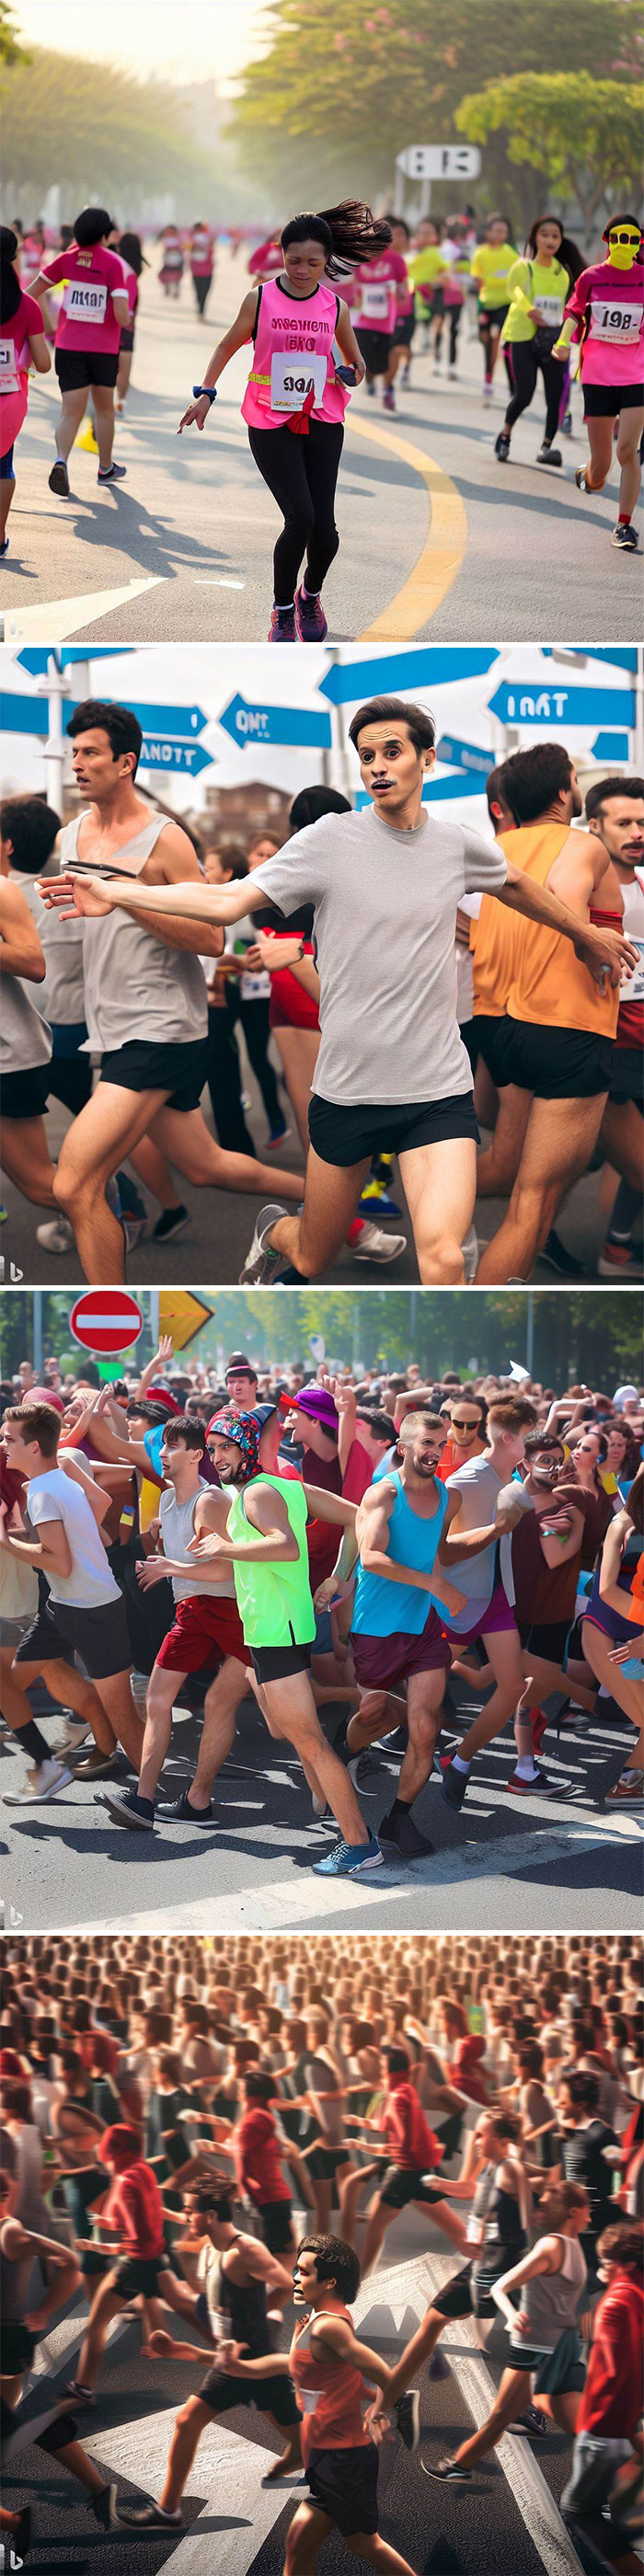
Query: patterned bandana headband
x: 244, y: 1430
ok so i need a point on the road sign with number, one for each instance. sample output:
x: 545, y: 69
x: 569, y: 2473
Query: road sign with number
x: 440, y: 161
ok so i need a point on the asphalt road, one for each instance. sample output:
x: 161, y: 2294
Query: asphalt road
x: 437, y: 538
x: 513, y: 2496
x: 543, y: 1864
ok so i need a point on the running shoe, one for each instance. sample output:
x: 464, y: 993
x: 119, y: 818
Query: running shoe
x: 262, y: 1265
x: 59, y: 479
x: 407, y: 2415
x: 20, y: 2537
x: 566, y: 425
x: 56, y: 1235
x: 404, y: 1838
x: 487, y: 394
x: 502, y: 450
x: 103, y: 2507
x: 625, y: 537
x: 149, y: 2517
x: 310, y: 619
x: 371, y: 388
x: 454, y: 1784
x: 618, y: 1261
x: 127, y: 1808
x: 277, y: 1135
x: 361, y: 1767
x: 389, y: 399
x: 74, y: 1732
x: 627, y: 1791
x: 448, y: 2471
x: 99, y: 1766
x: 81, y: 2395
x: 283, y: 629
x: 44, y: 1778
x: 350, y: 1860
x: 531, y: 2422
x: 549, y: 455
x: 111, y: 473
x: 170, y: 1224
x: 557, y: 1258
x: 376, y: 1195
x: 544, y: 1785
x: 580, y: 479
x: 4, y: 548
x: 373, y: 1245
x: 179, y: 1811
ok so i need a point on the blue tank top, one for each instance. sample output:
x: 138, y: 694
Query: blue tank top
x: 383, y: 1609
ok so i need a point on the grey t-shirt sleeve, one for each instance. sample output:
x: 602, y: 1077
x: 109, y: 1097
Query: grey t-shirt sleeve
x: 298, y: 874
x: 43, y: 1506
x: 486, y: 866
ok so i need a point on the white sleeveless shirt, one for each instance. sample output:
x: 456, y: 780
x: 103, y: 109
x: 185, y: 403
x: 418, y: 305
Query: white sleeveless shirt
x: 134, y: 987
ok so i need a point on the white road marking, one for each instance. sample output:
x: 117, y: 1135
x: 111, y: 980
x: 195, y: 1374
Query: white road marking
x: 62, y: 617
x: 525, y: 2480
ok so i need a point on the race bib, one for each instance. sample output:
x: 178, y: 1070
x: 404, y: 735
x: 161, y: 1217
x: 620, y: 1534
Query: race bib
x: 255, y: 988
x: 85, y: 300
x: 374, y: 303
x: 293, y: 378
x: 9, y: 379
x: 620, y: 323
x: 551, y: 306
x: 474, y: 2230
x: 632, y: 989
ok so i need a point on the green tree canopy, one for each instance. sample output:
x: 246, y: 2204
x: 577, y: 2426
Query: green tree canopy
x: 96, y: 134
x: 584, y: 134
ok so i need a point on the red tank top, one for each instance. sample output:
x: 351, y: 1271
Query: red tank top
x: 331, y: 2392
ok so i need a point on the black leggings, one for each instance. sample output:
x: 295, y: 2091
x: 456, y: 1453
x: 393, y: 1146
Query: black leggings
x: 452, y: 314
x: 202, y: 286
x: 302, y: 474
x: 224, y: 1084
x: 255, y: 1020
x: 526, y: 364
x: 487, y: 334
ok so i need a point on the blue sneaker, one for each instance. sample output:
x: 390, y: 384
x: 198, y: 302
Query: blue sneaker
x: 348, y: 1860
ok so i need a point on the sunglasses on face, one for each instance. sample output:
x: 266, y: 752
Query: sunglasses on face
x: 459, y: 1423
x: 628, y: 241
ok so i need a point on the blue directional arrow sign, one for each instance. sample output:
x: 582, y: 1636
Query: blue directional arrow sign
x: 162, y: 751
x: 172, y: 720
x: 526, y: 702
x: 36, y: 658
x: 348, y: 681
x: 250, y: 726
x: 622, y: 656
x: 464, y: 755
x: 610, y: 746
x: 22, y: 715
x: 31, y: 715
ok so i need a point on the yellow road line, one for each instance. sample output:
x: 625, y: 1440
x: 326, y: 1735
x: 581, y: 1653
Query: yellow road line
x: 442, y: 555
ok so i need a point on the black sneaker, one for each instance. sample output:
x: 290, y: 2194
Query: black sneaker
x: 103, y: 2507
x: 557, y: 1258
x: 625, y: 536
x: 148, y: 2517
x: 59, y: 479
x: 127, y: 1808
x: 531, y: 2422
x: 454, y: 1785
x: 448, y: 2471
x: 549, y: 455
x: 170, y: 1224
x: 361, y: 1767
x: 80, y: 2396
x: 502, y: 446
x: 404, y: 1838
x: 180, y: 1812
x: 407, y: 2414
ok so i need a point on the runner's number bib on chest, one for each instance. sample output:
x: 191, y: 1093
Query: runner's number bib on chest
x: 619, y: 322
x: 9, y: 382
x: 374, y: 303
x: 292, y: 380
x: 84, y: 300
x: 551, y: 306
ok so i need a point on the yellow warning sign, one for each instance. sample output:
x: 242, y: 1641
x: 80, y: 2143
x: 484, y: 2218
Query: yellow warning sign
x: 182, y: 1315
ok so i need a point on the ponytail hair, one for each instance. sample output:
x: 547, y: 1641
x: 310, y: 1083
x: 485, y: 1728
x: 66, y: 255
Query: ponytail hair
x: 10, y: 288
x: 568, y: 254
x: 349, y: 234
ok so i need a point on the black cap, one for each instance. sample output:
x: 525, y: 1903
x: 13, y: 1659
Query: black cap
x: 238, y: 1360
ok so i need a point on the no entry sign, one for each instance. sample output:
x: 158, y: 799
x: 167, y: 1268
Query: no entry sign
x: 106, y: 1320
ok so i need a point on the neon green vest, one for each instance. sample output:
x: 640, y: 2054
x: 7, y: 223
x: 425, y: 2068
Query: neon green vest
x: 274, y: 1601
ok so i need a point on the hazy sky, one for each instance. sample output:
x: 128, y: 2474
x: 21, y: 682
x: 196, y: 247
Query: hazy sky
x: 210, y: 38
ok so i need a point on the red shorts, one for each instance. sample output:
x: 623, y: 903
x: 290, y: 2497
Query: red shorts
x: 201, y: 1629
x: 496, y: 1616
x: 380, y: 1662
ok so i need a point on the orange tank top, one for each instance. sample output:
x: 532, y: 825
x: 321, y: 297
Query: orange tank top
x: 493, y: 941
x: 331, y: 2393
x: 550, y: 987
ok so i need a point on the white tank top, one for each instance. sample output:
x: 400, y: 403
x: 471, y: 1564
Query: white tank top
x: 134, y: 987
x: 61, y: 999
x: 25, y: 1039
x: 177, y: 1529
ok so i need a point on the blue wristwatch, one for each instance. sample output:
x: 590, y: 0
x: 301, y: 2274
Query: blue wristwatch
x: 210, y: 390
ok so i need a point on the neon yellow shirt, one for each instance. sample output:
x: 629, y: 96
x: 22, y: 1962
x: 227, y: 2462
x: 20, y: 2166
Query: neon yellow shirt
x: 426, y: 266
x: 491, y: 267
x: 530, y: 282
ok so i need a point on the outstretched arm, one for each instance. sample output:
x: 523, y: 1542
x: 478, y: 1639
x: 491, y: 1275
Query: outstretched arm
x: 607, y: 953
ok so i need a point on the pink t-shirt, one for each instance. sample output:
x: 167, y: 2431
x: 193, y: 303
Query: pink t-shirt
x: 202, y: 251
x: 92, y: 277
x: 378, y: 279
x: 608, y: 303
x: 14, y: 362
x: 267, y: 260
x: 293, y: 370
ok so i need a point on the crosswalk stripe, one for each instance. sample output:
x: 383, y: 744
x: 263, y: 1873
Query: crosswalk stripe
x: 63, y: 617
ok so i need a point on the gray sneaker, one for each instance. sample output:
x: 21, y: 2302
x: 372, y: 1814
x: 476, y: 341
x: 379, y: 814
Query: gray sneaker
x: 374, y: 1245
x: 44, y: 1778
x: 262, y: 1265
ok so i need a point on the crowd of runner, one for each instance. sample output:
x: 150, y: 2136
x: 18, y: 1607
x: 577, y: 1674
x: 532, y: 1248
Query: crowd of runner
x: 501, y: 980
x: 357, y: 1558
x: 186, y: 2122
x: 312, y: 346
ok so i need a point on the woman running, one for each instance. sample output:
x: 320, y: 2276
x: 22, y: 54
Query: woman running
x: 544, y: 2340
x: 296, y: 398
x: 490, y: 266
x: 129, y: 250
x: 606, y: 313
x: 539, y: 286
x: 22, y: 345
x: 607, y: 1630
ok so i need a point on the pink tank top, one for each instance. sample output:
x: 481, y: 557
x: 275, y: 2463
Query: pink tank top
x: 293, y: 368
x: 331, y: 2393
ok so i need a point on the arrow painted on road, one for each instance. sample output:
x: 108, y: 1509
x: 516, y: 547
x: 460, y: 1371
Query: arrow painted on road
x: 610, y: 746
x: 159, y: 751
x: 348, y: 682
x: 249, y: 726
x: 526, y: 702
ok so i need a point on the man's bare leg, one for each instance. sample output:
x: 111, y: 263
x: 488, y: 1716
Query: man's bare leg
x: 99, y: 1139
x: 116, y: 1696
x: 621, y: 1136
x: 379, y: 1713
x: 504, y: 1654
x: 190, y: 1146
x: 223, y: 1698
x: 560, y: 1138
x: 425, y: 1695
x: 331, y: 1195
x: 163, y: 1689
x: 25, y: 1158
x: 71, y: 1690
x: 292, y: 1709
x: 439, y: 1182
x: 497, y: 1167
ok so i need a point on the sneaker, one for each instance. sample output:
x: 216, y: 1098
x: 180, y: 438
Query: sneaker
x: 127, y: 1808
x: 580, y: 479
x: 178, y: 1811
x: 111, y: 473
x: 448, y: 2471
x: 373, y: 1245
x: 544, y: 1785
x: 627, y: 1791
x: 56, y: 1235
x: 557, y: 1258
x: 133, y: 1228
x: 361, y: 1767
x: 310, y: 619
x: 625, y: 537
x: 376, y: 1195
x: 103, y: 2507
x: 405, y: 1839
x: 21, y: 2535
x: 262, y: 1264
x: 502, y: 450
x: 149, y: 2517
x: 566, y: 425
x: 74, y: 1732
x: 407, y: 2415
x: 45, y: 1778
x: 170, y: 1224
x: 283, y: 629
x: 59, y: 479
x: 389, y: 399
x: 277, y: 1135
x: 470, y: 1251
x: 350, y: 1860
x: 99, y: 1766
x: 549, y: 455
x: 81, y: 2395
x: 4, y: 550
x: 487, y: 395
x: 454, y: 1785
x: 371, y: 389
x: 618, y: 1261
x: 532, y: 2422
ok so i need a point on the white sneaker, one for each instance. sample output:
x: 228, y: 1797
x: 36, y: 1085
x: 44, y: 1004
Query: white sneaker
x: 375, y: 1245
x: 56, y: 1235
x: 74, y: 1732
x: 44, y: 1780
x: 470, y: 1251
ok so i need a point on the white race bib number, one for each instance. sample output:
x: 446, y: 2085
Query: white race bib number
x: 9, y: 380
x: 474, y: 2231
x: 309, y: 2398
x: 85, y: 300
x: 292, y: 379
x: 374, y: 303
x: 620, y: 323
x: 551, y: 306
x: 632, y: 989
x: 255, y: 988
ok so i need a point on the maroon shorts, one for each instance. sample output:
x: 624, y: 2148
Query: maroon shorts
x: 381, y: 1662
x: 491, y: 1621
x: 201, y: 1629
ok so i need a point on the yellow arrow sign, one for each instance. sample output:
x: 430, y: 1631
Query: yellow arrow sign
x: 182, y: 1315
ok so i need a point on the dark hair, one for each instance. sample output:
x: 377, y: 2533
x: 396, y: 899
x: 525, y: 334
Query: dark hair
x: 260, y: 2086
x: 635, y: 1504
x: 623, y: 2244
x: 186, y: 1429
x: 614, y: 220
x: 153, y: 1414
x: 312, y: 802
x: 41, y: 1422
x: 349, y: 234
x: 568, y: 254
x: 92, y: 225
x: 400, y: 220
x: 394, y: 711
x: 603, y: 790
x: 583, y: 2088
x: 8, y: 2157
x: 234, y: 859
x: 538, y: 1440
x: 209, y: 2198
x: 101, y: 715
x: 121, y: 2142
x: 10, y: 287
x: 130, y: 249
x: 380, y: 1423
x: 31, y: 825
x: 495, y: 785
x: 534, y: 778
x: 334, y: 2261
x: 397, y: 2060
